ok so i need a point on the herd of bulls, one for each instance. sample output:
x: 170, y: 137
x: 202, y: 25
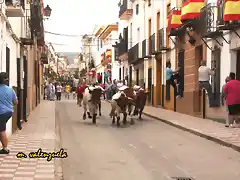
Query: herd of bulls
x: 127, y: 101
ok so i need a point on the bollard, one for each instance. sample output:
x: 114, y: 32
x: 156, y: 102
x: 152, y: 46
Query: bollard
x: 204, y: 103
x: 175, y: 100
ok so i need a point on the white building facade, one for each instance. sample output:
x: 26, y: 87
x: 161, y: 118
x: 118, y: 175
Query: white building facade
x: 13, y: 27
x: 107, y: 67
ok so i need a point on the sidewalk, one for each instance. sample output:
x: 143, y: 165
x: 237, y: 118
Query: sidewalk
x: 38, y: 132
x: 206, y: 128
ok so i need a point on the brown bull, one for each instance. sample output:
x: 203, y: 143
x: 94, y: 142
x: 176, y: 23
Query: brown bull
x: 140, y: 102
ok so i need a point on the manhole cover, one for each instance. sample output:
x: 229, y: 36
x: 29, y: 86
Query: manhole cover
x: 182, y: 178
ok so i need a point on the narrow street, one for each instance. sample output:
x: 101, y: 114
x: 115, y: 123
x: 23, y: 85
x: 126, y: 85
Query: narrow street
x: 148, y: 150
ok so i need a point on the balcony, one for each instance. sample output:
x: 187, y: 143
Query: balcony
x: 209, y: 21
x: 190, y: 13
x: 15, y: 8
x: 44, y: 58
x: 175, y: 23
x: 151, y: 44
x: 162, y: 40
x: 227, y: 21
x: 26, y: 39
x: 133, y: 54
x: 144, y: 48
x: 125, y: 13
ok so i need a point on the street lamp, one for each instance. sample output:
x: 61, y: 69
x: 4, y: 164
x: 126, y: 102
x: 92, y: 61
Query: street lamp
x: 47, y: 11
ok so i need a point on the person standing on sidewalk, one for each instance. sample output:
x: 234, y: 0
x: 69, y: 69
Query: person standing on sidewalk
x: 59, y: 92
x: 204, y: 74
x: 232, y: 92
x: 7, y: 100
x: 223, y: 100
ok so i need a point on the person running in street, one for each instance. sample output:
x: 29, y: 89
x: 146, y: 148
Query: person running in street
x: 67, y: 90
x: 80, y: 92
x: 8, y: 99
x: 59, y: 92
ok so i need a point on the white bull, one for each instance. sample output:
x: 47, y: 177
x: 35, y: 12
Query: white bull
x: 91, y: 102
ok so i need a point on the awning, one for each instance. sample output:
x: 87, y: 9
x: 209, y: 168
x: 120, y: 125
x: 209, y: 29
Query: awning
x: 191, y: 9
x: 232, y: 10
x: 174, y: 19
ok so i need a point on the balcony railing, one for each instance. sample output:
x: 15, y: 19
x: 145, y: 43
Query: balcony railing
x: 152, y: 44
x: 162, y: 39
x: 15, y: 8
x: 208, y: 20
x: 144, y: 48
x: 133, y: 53
x: 124, y: 12
x: 44, y: 58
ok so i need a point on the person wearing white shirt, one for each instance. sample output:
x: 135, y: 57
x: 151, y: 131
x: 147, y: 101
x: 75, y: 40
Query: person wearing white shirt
x: 204, y: 74
x: 59, y: 92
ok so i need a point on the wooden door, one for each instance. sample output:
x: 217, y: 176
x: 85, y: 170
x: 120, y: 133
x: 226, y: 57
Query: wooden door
x: 238, y: 66
x: 159, y: 82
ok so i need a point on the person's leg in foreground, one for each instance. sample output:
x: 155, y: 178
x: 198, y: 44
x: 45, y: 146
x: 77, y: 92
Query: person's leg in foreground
x: 3, y: 135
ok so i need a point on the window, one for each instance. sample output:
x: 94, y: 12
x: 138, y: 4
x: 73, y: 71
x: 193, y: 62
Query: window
x: 98, y: 44
x: 137, y: 9
x: 149, y: 2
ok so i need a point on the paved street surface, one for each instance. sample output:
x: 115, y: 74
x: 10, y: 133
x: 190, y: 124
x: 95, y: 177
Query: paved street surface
x: 208, y: 128
x: 38, y: 132
x: 148, y: 150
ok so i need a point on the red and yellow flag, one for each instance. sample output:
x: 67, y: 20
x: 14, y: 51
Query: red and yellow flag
x: 174, y: 20
x: 191, y: 9
x: 108, y: 53
x: 232, y: 10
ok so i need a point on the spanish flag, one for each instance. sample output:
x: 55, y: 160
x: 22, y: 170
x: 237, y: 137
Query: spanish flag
x: 191, y: 9
x: 232, y: 10
x: 174, y: 19
x: 108, y: 53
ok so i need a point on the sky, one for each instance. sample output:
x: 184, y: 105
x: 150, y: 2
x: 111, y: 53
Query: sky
x: 77, y: 17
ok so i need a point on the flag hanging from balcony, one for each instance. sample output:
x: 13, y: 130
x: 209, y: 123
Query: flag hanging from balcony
x: 232, y: 10
x: 174, y: 19
x: 191, y: 9
x: 108, y: 53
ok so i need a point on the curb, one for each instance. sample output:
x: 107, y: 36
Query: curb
x: 205, y: 136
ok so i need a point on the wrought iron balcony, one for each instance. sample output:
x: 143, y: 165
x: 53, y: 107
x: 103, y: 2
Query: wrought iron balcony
x: 121, y: 47
x: 144, y: 48
x: 152, y: 40
x: 15, y: 8
x: 44, y: 58
x: 133, y: 54
x: 178, y: 29
x: 124, y: 12
x: 162, y: 40
x: 26, y: 38
x: 209, y: 21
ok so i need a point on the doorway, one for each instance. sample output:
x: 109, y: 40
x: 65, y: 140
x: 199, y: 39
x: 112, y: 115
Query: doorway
x: 159, y: 82
x: 149, y: 85
x: 238, y: 66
